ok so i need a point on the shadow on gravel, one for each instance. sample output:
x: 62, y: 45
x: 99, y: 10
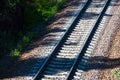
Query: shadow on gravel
x: 89, y: 15
x: 101, y: 63
x: 97, y: 62
x: 19, y: 68
x: 115, y: 3
x: 28, y: 71
x: 57, y: 21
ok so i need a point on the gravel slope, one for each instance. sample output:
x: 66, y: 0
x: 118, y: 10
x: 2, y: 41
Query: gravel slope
x: 107, y: 51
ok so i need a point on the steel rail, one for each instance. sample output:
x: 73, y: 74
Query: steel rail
x: 87, y: 42
x: 62, y: 40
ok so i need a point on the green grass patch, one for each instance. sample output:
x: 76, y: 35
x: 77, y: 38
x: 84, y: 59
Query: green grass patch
x: 116, y: 73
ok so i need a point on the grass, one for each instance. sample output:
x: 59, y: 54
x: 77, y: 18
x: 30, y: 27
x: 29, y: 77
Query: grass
x: 116, y: 73
x: 35, y: 12
x: 22, y: 44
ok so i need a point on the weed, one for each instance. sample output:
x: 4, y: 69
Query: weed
x: 116, y: 73
x: 15, y: 53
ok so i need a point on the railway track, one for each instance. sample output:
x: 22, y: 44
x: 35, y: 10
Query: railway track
x: 77, y: 42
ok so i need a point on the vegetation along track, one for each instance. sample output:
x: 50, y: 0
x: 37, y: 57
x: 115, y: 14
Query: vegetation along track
x: 77, y: 42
